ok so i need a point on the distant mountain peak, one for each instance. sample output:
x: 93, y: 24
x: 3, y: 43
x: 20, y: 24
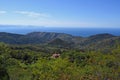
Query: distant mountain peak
x: 103, y: 35
x: 38, y: 33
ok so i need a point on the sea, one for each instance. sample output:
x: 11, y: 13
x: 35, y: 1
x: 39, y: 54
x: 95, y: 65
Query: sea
x: 83, y: 32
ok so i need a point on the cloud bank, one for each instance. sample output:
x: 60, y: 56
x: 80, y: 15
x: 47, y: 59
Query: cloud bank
x: 3, y: 12
x: 32, y: 14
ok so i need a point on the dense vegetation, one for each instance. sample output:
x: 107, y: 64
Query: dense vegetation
x: 33, y: 62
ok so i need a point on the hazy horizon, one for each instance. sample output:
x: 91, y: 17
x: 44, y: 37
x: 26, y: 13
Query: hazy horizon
x: 18, y: 29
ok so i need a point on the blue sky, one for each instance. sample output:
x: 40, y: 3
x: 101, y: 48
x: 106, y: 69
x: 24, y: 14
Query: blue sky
x: 61, y: 13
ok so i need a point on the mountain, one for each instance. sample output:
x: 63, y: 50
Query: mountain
x: 48, y: 36
x: 10, y: 38
x: 100, y: 36
x: 97, y: 38
x: 60, y: 43
x: 60, y: 39
x: 33, y: 38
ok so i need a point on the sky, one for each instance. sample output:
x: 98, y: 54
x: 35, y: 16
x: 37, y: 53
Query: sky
x: 61, y: 13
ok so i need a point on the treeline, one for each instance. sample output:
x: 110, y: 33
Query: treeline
x: 35, y: 63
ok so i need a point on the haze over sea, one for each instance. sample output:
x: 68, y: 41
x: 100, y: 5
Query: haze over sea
x: 73, y: 31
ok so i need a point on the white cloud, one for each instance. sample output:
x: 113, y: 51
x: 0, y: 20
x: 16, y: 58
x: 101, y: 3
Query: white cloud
x: 57, y: 23
x: 32, y: 14
x: 49, y: 23
x: 42, y: 19
x: 3, y: 12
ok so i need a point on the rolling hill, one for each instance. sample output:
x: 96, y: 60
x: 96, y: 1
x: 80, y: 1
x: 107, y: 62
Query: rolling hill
x: 60, y: 39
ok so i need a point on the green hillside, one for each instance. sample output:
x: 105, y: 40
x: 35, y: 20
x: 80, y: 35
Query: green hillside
x: 34, y: 62
x: 61, y: 40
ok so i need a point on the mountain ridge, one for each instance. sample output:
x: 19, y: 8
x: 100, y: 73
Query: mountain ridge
x: 63, y: 39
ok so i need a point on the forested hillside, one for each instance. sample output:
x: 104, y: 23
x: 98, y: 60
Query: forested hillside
x: 35, y: 62
x: 61, y: 40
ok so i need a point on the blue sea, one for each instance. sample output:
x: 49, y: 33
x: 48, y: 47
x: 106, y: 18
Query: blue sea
x: 73, y: 31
